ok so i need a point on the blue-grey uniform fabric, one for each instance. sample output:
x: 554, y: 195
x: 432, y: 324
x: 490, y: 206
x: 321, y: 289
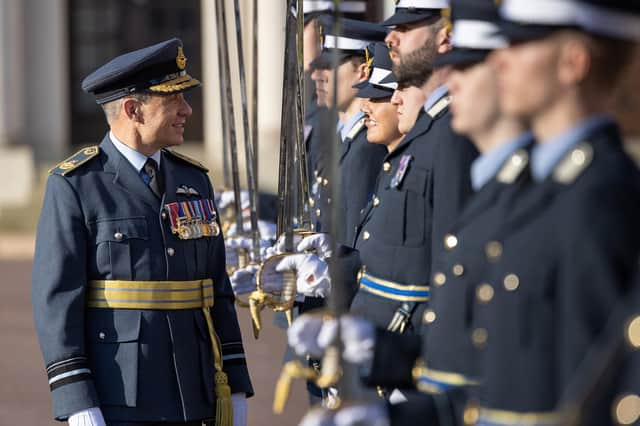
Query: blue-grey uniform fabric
x: 359, y: 165
x: 573, y: 246
x: 610, y: 372
x: 144, y: 365
x: 446, y: 345
x: 399, y: 227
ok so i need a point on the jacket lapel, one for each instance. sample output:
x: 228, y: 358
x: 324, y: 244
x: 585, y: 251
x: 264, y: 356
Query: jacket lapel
x: 126, y: 177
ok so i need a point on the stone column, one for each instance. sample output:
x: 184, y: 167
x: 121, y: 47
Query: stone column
x: 11, y: 72
x: 16, y: 158
x: 46, y: 74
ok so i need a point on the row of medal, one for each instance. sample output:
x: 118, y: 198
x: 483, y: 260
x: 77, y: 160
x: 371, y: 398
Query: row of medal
x: 193, y: 219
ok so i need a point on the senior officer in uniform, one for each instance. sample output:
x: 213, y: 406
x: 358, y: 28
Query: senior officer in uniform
x: 569, y: 248
x: 131, y: 301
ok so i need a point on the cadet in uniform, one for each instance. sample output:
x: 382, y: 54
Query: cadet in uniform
x: 129, y: 259
x: 569, y: 247
x: 315, y: 115
x: 422, y: 187
x: 448, y: 362
x: 359, y: 161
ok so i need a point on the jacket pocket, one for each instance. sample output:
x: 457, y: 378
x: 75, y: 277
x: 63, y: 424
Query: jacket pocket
x: 113, y: 346
x: 115, y: 240
x: 415, y: 209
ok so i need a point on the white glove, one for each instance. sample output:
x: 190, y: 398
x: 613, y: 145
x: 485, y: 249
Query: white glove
x: 312, y: 274
x: 243, y: 280
x: 358, y: 338
x: 227, y: 198
x: 239, y: 401
x: 89, y: 417
x: 232, y: 245
x: 312, y: 334
x: 303, y: 334
x: 370, y: 414
x: 279, y: 245
x: 321, y: 243
x: 318, y: 417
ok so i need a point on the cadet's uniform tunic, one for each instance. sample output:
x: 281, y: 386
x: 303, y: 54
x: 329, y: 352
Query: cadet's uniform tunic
x: 568, y: 252
x: 448, y: 356
x: 359, y: 165
x: 423, y: 185
x: 100, y: 221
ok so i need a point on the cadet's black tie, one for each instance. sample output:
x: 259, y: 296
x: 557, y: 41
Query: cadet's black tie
x: 155, y: 178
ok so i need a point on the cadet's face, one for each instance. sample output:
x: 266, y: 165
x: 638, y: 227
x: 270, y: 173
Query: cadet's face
x: 408, y: 101
x: 527, y: 77
x: 164, y: 118
x: 347, y: 75
x: 311, y: 47
x: 406, y: 38
x: 381, y: 120
x: 475, y: 103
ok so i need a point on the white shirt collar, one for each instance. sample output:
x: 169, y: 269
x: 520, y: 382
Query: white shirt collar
x: 137, y: 159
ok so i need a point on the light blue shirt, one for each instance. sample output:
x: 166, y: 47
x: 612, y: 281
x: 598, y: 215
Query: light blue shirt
x: 345, y: 128
x: 545, y: 156
x: 137, y: 159
x: 435, y: 96
x: 486, y: 166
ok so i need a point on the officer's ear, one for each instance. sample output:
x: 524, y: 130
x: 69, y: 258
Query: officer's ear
x: 131, y: 109
x: 362, y: 71
x: 443, y: 35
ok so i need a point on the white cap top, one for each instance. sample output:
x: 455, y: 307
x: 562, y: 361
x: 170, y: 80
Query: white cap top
x: 423, y: 4
x: 469, y: 34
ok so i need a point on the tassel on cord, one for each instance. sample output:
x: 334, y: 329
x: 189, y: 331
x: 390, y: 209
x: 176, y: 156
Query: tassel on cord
x: 224, y: 406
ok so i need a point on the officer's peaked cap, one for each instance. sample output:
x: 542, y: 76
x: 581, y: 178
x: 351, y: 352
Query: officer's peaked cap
x: 159, y: 68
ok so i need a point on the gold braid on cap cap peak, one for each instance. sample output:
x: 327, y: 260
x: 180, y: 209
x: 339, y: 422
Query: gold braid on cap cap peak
x: 368, y: 60
x: 446, y: 15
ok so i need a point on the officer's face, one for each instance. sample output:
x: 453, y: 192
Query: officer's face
x: 408, y: 100
x: 406, y: 38
x: 163, y: 120
x: 527, y: 77
x: 347, y: 74
x: 382, y: 121
x: 475, y: 103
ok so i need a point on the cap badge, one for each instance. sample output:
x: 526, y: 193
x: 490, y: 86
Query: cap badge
x: 181, y: 60
x: 369, y: 61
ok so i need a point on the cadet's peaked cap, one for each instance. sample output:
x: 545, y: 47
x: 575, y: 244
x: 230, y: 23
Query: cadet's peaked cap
x: 410, y: 11
x: 355, y: 9
x: 611, y: 18
x: 525, y: 20
x: 475, y: 32
x: 155, y: 69
x: 381, y: 83
x: 348, y: 38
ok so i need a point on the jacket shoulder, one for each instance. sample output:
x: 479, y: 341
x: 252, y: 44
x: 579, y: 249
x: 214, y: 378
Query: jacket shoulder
x: 186, y: 159
x: 77, y: 160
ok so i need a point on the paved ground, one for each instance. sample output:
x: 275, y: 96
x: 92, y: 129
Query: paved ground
x: 24, y: 396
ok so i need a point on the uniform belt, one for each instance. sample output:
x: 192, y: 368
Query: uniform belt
x: 169, y: 295
x: 392, y: 290
x: 159, y: 295
x: 435, y: 381
x: 492, y: 417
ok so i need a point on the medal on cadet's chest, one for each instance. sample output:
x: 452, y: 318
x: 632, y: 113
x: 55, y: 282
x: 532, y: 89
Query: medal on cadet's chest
x: 396, y: 181
x: 193, y: 219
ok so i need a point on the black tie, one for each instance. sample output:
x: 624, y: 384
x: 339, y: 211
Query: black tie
x: 155, y: 178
